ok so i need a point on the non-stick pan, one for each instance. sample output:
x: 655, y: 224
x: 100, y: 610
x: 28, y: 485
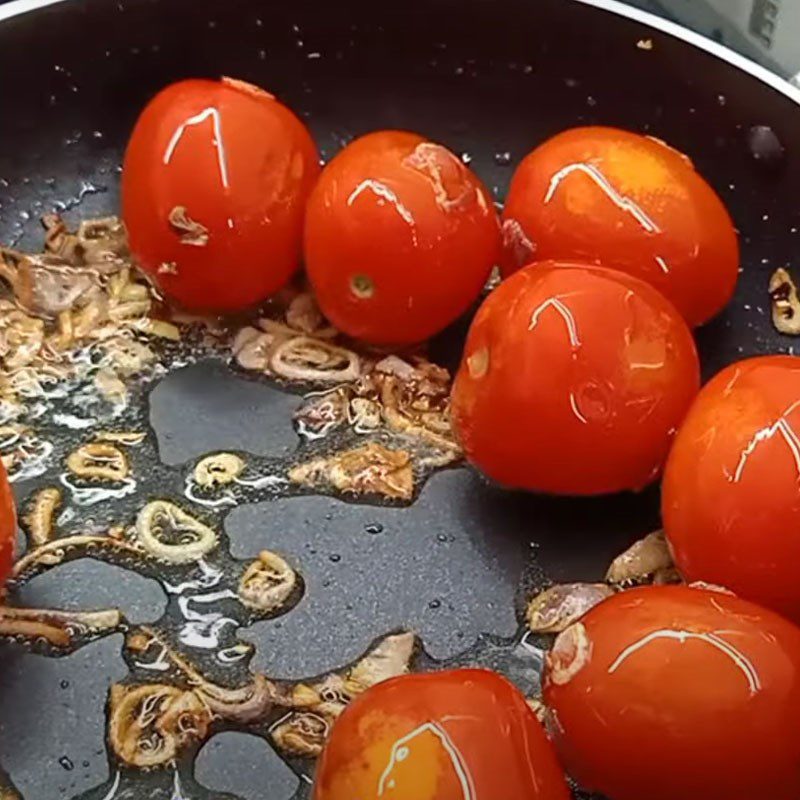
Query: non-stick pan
x: 489, y: 79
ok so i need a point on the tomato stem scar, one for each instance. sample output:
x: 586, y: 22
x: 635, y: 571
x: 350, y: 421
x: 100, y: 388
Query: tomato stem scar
x: 362, y: 286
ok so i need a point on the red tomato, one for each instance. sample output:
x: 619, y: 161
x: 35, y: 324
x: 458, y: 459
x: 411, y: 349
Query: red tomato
x: 629, y: 202
x: 8, y: 527
x: 241, y: 165
x: 731, y: 495
x: 400, y: 238
x: 573, y: 381
x: 461, y: 735
x: 678, y: 693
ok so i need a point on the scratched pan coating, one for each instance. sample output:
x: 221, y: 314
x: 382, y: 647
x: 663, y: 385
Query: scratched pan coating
x: 489, y: 80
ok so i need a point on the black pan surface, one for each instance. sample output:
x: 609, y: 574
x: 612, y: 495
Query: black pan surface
x: 489, y: 80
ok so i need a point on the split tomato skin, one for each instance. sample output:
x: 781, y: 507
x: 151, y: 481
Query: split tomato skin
x: 730, y: 499
x: 8, y: 527
x: 573, y: 381
x: 628, y: 202
x: 440, y: 736
x: 242, y: 165
x: 400, y: 238
x: 678, y: 692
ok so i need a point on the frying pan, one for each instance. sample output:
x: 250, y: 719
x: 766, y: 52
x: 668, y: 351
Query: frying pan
x: 490, y: 80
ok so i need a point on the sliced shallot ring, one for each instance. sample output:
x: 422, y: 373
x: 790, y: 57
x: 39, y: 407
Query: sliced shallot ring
x: 203, y: 539
x: 267, y: 583
x: 281, y: 366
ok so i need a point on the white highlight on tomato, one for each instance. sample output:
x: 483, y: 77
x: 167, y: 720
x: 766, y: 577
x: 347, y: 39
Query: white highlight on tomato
x: 564, y: 312
x: 383, y: 192
x: 621, y: 201
x: 575, y: 410
x: 782, y: 427
x: 197, y: 119
x: 662, y: 264
x: 401, y: 751
x: 743, y: 664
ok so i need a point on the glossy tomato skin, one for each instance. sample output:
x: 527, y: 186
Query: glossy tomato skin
x: 730, y: 500
x: 8, y: 527
x: 678, y: 692
x: 628, y: 202
x: 242, y: 165
x: 573, y: 381
x: 400, y: 238
x: 440, y: 736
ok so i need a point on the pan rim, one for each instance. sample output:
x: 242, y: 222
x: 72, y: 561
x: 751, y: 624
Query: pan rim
x: 699, y: 41
x: 16, y: 8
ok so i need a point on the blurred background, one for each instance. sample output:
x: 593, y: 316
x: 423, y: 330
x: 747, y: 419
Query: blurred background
x: 768, y: 31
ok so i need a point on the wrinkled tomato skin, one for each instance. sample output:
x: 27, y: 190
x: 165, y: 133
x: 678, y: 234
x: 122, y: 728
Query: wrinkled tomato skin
x: 685, y: 693
x: 628, y: 202
x: 243, y: 166
x: 573, y: 381
x: 440, y: 736
x: 400, y: 238
x: 731, y: 497
x: 8, y: 527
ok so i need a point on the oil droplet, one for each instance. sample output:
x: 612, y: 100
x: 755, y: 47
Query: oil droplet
x: 765, y: 146
x: 335, y: 558
x: 435, y: 603
x: 66, y: 763
x: 442, y: 537
x: 64, y: 684
x: 85, y: 764
x: 374, y: 528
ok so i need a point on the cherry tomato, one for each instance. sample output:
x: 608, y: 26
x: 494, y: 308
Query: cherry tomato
x: 8, y: 527
x: 629, y: 202
x: 678, y: 692
x: 731, y: 495
x: 400, y: 238
x: 214, y: 186
x: 573, y: 381
x: 460, y: 735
